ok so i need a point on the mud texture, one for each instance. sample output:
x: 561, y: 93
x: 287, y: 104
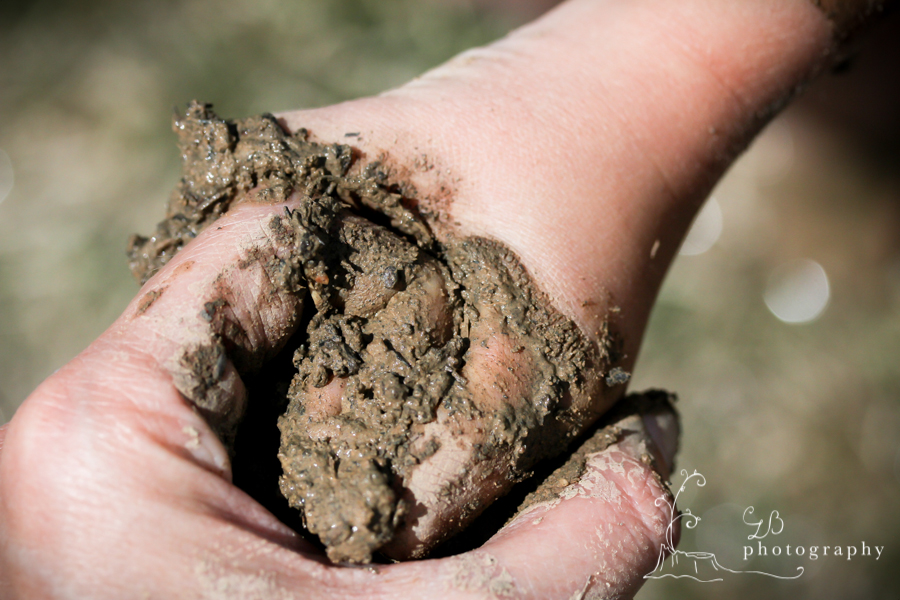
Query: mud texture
x: 400, y: 362
x: 552, y: 477
x: 609, y: 431
x: 396, y: 322
x: 224, y: 161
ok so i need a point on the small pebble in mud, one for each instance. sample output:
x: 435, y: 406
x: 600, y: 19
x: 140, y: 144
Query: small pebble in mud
x: 390, y: 277
x: 414, y: 351
x: 617, y: 376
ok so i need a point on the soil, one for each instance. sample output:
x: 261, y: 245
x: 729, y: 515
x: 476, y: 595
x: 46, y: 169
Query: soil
x: 614, y: 425
x: 383, y: 371
x: 554, y: 478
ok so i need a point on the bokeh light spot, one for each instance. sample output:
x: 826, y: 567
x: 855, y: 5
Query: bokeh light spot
x: 798, y: 291
x: 705, y: 231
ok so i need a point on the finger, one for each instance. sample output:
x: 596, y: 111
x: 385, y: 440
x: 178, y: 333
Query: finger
x: 117, y: 446
x: 611, y: 526
x: 444, y: 404
x: 174, y: 359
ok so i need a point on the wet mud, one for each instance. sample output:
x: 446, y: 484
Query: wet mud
x: 553, y: 477
x: 616, y: 424
x: 408, y: 344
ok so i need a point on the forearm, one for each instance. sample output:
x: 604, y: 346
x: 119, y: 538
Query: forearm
x: 562, y: 135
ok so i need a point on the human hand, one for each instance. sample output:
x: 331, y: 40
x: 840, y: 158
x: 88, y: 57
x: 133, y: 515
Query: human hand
x: 112, y: 486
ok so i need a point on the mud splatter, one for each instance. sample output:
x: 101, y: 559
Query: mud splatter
x: 147, y: 301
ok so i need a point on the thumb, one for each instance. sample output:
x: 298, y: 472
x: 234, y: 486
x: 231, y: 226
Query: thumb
x: 609, y: 501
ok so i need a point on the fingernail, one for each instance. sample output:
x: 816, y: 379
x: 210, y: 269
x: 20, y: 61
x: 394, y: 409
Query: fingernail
x: 665, y: 431
x: 652, y: 417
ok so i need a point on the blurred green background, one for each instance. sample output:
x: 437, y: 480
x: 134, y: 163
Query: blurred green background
x: 803, y: 418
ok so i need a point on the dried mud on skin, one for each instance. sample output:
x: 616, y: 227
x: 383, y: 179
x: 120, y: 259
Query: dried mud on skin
x: 394, y: 317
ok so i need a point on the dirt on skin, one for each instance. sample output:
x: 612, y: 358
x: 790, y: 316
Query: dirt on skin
x: 396, y: 317
x: 609, y: 431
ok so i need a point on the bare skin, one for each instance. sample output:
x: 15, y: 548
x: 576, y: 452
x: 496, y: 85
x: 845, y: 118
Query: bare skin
x: 111, y: 486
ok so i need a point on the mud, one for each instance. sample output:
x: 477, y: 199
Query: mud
x: 408, y: 342
x: 554, y: 479
x: 401, y: 362
x: 224, y: 161
x: 616, y: 424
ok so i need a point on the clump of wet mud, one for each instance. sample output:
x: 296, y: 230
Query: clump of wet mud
x: 223, y: 161
x: 408, y: 343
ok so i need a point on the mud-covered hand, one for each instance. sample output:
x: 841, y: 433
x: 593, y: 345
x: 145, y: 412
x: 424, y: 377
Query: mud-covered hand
x: 584, y: 143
